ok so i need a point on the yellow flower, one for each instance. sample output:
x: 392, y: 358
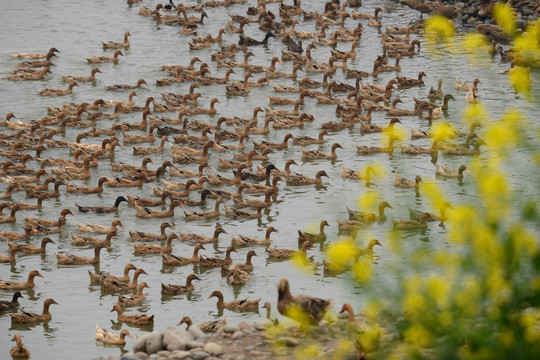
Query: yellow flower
x: 524, y: 242
x: 505, y: 17
x: 418, y: 335
x: 298, y: 314
x: 370, y: 339
x: 369, y: 200
x: 342, y: 252
x: 414, y: 302
x: 373, y: 309
x: 527, y: 46
x: 467, y: 298
x: 438, y: 289
x: 475, y: 114
x: 476, y: 46
x: 300, y: 260
x: 344, y: 349
x: 502, y: 136
x: 520, y: 78
x: 439, y: 28
x: 362, y: 270
x: 461, y: 224
x: 499, y: 289
x: 396, y: 133
x: 441, y: 131
x: 308, y: 351
x: 434, y: 193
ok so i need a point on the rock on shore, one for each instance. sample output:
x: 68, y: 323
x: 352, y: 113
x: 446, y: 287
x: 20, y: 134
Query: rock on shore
x: 472, y: 11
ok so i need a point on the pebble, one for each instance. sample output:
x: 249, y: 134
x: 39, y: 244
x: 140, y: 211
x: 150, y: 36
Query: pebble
x: 471, y: 21
x: 213, y: 349
x: 154, y: 357
x: 199, y: 355
x: 175, y: 339
x: 154, y: 342
x: 237, y: 335
x: 289, y: 341
x: 141, y: 355
x: 195, y: 345
x: 179, y: 355
x: 244, y: 325
x: 231, y: 328
x: 262, y: 324
x: 140, y: 344
x: 249, y: 348
x: 129, y: 357
x: 195, y: 332
x: 176, y: 345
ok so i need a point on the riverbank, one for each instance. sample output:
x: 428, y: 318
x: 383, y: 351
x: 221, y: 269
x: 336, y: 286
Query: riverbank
x: 245, y: 341
x: 470, y: 12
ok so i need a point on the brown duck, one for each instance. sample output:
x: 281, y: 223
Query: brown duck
x: 27, y: 317
x: 170, y: 289
x: 155, y: 249
x: 215, y: 261
x: 238, y: 305
x: 69, y: 259
x: 19, y: 285
x: 312, y: 309
x: 135, y: 319
x: 175, y: 260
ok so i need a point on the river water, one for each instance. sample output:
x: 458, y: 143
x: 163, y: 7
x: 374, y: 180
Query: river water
x: 77, y: 29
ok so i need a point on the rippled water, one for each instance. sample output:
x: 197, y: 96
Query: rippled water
x: 76, y: 29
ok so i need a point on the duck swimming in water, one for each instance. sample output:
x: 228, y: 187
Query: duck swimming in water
x: 110, y: 337
x: 102, y: 209
x: 19, y: 350
x: 30, y: 317
x: 19, y: 285
x: 9, y: 305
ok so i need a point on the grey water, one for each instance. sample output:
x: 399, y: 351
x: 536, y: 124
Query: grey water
x: 77, y: 29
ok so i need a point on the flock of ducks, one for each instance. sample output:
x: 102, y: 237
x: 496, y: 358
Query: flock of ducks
x: 233, y: 144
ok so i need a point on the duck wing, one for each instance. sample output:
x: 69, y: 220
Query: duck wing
x: 314, y: 307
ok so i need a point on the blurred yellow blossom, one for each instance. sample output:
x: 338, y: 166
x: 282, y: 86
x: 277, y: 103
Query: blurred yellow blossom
x: 505, y: 17
x: 502, y: 136
x: 461, y: 223
x: 378, y: 170
x: 530, y: 319
x: 362, y: 270
x: 342, y: 252
x: 370, y: 339
x: 396, y: 133
x: 520, y: 78
x: 524, y: 242
x: 434, y: 193
x: 308, y: 351
x: 476, y: 46
x: 441, y: 131
x: 344, y: 349
x: 527, y: 45
x: 369, y: 200
x: 297, y: 313
x: 467, y: 297
x: 372, y: 310
x: 475, y: 114
x: 300, y: 260
x: 418, y: 335
x: 439, y: 28
x: 438, y: 289
x: 498, y: 288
